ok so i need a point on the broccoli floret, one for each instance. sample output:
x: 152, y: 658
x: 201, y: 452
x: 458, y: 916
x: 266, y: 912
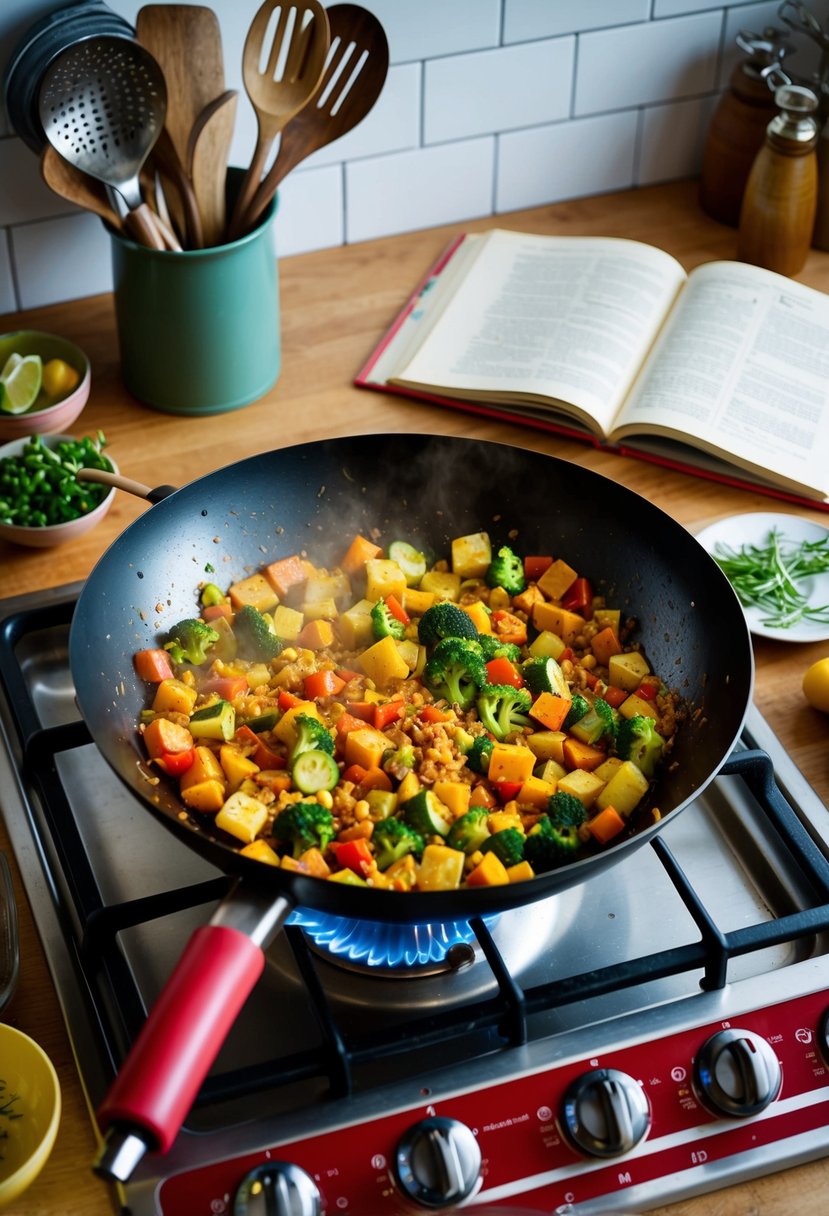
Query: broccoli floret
x: 212, y: 595
x: 638, y: 740
x: 304, y: 825
x: 311, y: 736
x: 493, y: 648
x: 254, y: 636
x: 565, y: 810
x: 393, y: 839
x: 470, y: 831
x: 503, y: 708
x: 445, y: 620
x: 455, y: 671
x: 507, y: 845
x: 506, y: 570
x: 547, y: 845
x: 578, y: 708
x: 478, y: 755
x: 609, y: 717
x: 384, y: 624
x: 189, y: 641
x: 399, y: 762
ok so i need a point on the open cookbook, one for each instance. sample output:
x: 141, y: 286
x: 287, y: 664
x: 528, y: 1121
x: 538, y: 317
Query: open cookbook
x: 723, y: 372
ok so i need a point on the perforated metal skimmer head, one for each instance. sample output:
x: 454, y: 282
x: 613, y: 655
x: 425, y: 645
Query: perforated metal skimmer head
x: 102, y: 107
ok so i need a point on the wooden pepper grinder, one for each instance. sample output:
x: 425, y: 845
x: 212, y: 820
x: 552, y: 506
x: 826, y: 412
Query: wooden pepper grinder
x: 778, y: 212
x: 738, y: 126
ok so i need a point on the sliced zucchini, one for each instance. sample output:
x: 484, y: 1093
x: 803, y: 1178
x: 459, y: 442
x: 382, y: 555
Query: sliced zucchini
x: 314, y: 771
x: 409, y: 559
x: 217, y: 721
x: 427, y: 814
x: 543, y: 674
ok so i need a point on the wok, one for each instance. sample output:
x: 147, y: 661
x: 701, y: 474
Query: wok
x: 314, y: 497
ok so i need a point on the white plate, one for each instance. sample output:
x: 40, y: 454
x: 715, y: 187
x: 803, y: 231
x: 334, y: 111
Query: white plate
x: 754, y: 529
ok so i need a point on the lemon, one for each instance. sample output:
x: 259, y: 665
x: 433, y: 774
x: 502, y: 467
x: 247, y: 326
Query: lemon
x: 19, y: 389
x: 816, y: 685
x: 59, y: 379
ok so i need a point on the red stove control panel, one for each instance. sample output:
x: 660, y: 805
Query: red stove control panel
x: 511, y: 1143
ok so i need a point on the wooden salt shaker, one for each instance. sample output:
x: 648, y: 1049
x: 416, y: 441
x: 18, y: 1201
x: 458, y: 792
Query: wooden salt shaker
x: 778, y: 212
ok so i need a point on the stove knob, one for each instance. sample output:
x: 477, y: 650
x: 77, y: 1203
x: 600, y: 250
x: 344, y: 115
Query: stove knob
x: 606, y: 1113
x: 438, y: 1162
x: 277, y: 1189
x: 737, y: 1073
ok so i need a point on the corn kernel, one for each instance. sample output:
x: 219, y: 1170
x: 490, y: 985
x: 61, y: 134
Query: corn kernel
x: 589, y: 661
x: 361, y: 809
x: 324, y: 799
x: 289, y: 654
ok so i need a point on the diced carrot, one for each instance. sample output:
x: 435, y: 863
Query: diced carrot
x: 614, y: 696
x: 482, y: 796
x: 534, y: 567
x: 316, y: 635
x: 550, y: 710
x: 213, y: 611
x: 604, y: 644
x: 388, y: 712
x: 289, y: 700
x: 246, y: 737
x: 285, y: 573
x: 431, y: 713
x: 397, y: 610
x: 374, y: 779
x: 364, y: 710
x: 273, y: 779
x: 354, y: 773
x: 226, y: 687
x: 259, y: 752
x: 357, y: 554
x: 490, y: 872
x: 607, y: 824
x: 502, y: 671
x: 582, y: 755
x: 348, y: 722
x: 322, y: 684
x: 162, y: 736
x: 508, y: 627
x: 153, y: 665
x: 346, y: 674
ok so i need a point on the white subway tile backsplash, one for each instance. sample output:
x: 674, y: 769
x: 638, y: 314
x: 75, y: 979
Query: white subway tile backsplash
x: 420, y: 189
x: 651, y: 62
x: 488, y: 106
x: 673, y: 137
x: 310, y: 211
x: 528, y: 19
x: 61, y: 259
x: 467, y: 95
x: 567, y: 160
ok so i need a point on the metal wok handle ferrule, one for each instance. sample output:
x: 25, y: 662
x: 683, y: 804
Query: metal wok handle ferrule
x: 166, y: 1065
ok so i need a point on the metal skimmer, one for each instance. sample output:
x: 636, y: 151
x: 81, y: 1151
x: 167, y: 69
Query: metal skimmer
x: 102, y: 106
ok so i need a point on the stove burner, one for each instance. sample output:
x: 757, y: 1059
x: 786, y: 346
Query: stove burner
x: 389, y: 949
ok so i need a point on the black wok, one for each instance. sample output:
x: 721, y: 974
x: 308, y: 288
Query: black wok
x: 315, y: 497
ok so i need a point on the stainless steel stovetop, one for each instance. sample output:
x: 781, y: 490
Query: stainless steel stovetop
x: 720, y: 924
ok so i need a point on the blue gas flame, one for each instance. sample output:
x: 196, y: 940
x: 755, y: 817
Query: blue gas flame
x: 377, y: 944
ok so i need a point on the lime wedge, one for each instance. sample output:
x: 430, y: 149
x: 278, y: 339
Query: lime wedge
x: 19, y: 389
x: 10, y: 364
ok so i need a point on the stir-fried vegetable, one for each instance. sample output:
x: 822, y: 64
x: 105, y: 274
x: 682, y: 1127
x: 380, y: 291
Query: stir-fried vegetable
x: 769, y: 577
x: 410, y: 728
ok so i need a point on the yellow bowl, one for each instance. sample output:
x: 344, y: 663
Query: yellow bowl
x: 46, y: 415
x: 29, y: 1112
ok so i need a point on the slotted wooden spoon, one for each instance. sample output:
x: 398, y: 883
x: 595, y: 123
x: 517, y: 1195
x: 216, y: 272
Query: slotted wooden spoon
x: 281, y: 70
x: 352, y: 80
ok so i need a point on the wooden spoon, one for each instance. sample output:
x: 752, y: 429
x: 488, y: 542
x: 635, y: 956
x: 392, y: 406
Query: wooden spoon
x: 208, y: 150
x: 293, y: 64
x: 352, y: 80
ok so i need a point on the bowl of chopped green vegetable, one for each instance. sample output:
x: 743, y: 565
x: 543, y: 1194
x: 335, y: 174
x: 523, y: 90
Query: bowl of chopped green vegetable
x: 44, y: 383
x: 42, y: 503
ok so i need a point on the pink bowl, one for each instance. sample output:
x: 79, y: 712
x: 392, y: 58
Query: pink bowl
x: 53, y: 534
x: 50, y: 418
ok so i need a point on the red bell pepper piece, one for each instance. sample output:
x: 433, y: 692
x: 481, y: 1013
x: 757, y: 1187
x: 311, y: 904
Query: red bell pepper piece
x: 348, y: 722
x: 260, y: 753
x: 502, y: 671
x: 647, y: 690
x: 346, y: 674
x: 431, y: 713
x: 614, y: 696
x: 505, y: 791
x: 288, y: 700
x: 364, y: 710
x: 534, y: 567
x: 397, y: 610
x: 579, y: 597
x: 354, y: 855
x: 508, y: 627
x: 153, y: 665
x: 176, y: 763
x: 354, y: 773
x: 387, y: 712
x: 568, y: 653
x: 322, y: 684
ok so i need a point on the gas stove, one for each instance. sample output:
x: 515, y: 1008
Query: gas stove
x: 658, y: 1032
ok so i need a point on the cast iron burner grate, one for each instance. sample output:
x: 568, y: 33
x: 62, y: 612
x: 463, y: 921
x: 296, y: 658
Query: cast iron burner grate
x: 498, y: 1020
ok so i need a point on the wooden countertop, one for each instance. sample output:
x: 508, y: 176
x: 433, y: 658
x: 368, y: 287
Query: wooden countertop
x: 335, y: 306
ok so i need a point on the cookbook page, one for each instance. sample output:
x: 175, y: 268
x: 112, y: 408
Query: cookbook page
x: 567, y: 319
x: 742, y: 369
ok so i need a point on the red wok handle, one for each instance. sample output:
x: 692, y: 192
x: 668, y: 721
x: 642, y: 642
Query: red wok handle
x: 166, y: 1065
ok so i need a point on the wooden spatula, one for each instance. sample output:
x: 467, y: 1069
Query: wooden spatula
x: 208, y: 150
